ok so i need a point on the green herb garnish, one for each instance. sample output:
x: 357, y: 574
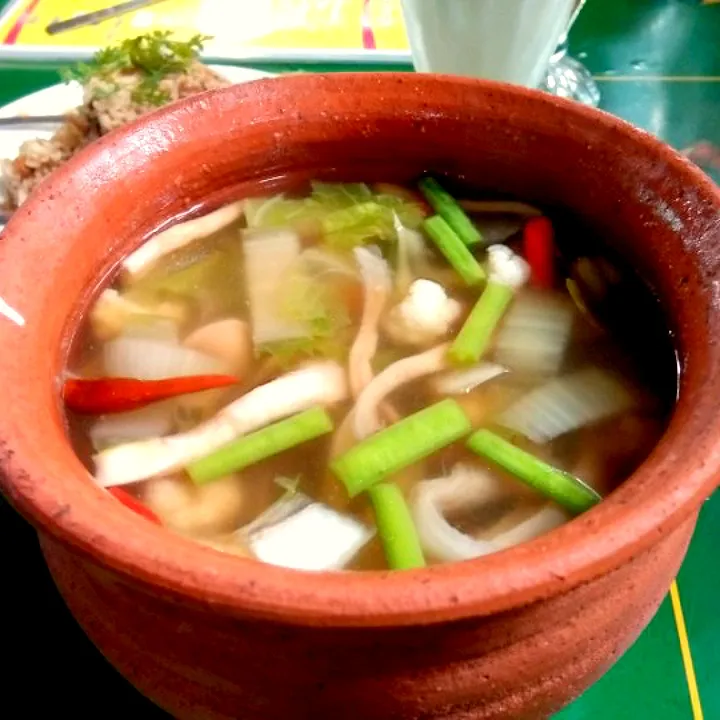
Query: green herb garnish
x: 152, y: 57
x: 305, y: 301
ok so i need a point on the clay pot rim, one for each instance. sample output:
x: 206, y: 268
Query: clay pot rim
x: 165, y: 563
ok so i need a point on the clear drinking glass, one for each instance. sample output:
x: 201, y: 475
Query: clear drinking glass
x: 566, y: 76
x: 513, y: 41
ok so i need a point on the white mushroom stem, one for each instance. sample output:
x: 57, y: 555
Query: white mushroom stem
x: 178, y: 236
x: 366, y: 413
x: 318, y: 384
x: 377, y: 279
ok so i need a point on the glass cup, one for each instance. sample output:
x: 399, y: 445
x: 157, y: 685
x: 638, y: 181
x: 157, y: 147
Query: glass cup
x: 511, y: 41
x: 566, y: 76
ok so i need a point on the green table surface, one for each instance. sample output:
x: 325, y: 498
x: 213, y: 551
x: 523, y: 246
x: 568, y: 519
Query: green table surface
x: 657, y: 63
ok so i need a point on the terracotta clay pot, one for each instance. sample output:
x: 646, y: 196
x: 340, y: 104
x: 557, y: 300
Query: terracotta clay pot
x: 514, y: 635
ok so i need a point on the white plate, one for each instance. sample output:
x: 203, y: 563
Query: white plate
x: 58, y: 99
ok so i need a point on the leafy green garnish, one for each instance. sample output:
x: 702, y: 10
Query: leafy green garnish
x: 347, y: 214
x: 315, y: 306
x: 152, y: 56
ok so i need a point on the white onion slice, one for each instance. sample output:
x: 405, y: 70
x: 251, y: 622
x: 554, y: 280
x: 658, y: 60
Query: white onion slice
x: 534, y: 334
x: 269, y: 256
x: 149, y: 422
x: 145, y: 358
x: 568, y: 403
x: 310, y: 536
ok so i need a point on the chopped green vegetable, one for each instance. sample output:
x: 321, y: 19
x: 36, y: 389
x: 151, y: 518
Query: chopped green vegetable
x: 454, y: 250
x: 562, y: 487
x: 474, y: 337
x: 404, y: 443
x: 261, y: 444
x: 153, y: 55
x: 445, y: 205
x: 306, y: 300
x: 348, y: 214
x: 314, y: 306
x: 396, y: 529
x: 340, y: 195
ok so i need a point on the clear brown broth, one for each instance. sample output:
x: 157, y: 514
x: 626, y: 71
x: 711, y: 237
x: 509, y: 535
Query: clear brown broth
x: 634, y: 342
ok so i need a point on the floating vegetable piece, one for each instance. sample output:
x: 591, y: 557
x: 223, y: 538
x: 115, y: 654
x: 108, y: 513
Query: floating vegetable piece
x: 135, y: 505
x: 150, y: 422
x: 269, y: 259
x: 508, y: 272
x: 539, y: 251
x: 167, y: 241
x: 423, y: 316
x: 400, y: 445
x: 454, y: 250
x: 396, y: 529
x: 562, y: 487
x: 377, y: 279
x: 535, y: 334
x: 155, y: 358
x: 261, y: 444
x: 366, y: 413
x: 304, y: 535
x: 318, y: 384
x: 568, y: 403
x: 346, y: 214
x: 448, y: 209
x: 476, y: 333
x: 100, y: 396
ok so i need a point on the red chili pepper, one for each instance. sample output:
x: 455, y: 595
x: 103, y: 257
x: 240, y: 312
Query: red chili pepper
x: 135, y: 505
x: 539, y: 249
x: 97, y: 396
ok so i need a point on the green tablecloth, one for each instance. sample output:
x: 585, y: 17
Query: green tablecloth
x: 658, y: 65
